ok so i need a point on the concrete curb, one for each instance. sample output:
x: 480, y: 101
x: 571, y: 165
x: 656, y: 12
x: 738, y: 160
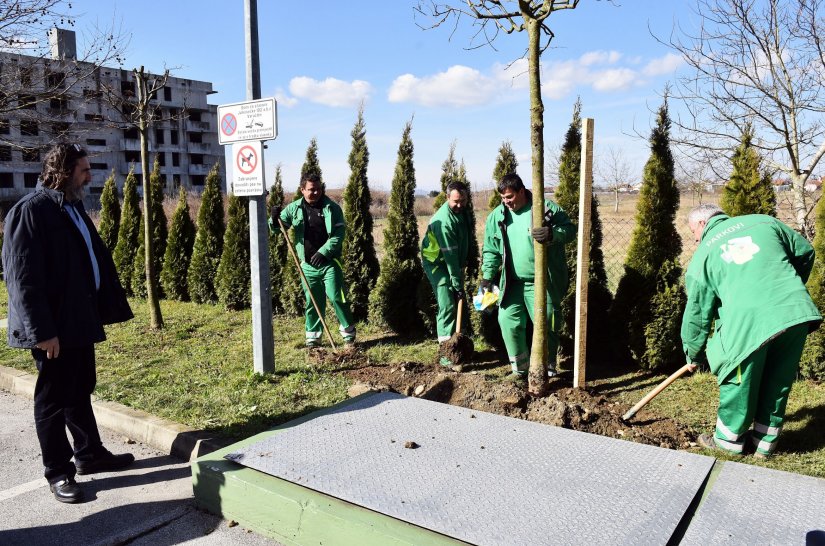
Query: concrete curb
x: 166, y: 436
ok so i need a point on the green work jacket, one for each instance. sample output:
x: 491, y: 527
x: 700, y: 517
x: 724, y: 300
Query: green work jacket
x: 748, y: 275
x: 498, y: 248
x: 294, y: 216
x: 446, y: 244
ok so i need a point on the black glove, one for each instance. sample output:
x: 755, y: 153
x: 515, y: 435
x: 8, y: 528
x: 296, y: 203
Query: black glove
x: 542, y: 234
x: 485, y: 285
x: 275, y: 213
x: 318, y: 260
x: 458, y: 293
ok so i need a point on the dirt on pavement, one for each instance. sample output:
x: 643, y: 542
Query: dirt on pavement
x: 578, y: 409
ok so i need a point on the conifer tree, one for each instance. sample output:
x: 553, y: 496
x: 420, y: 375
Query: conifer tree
x: 393, y: 302
x: 599, y: 297
x: 173, y: 277
x: 234, y: 282
x: 109, y: 213
x: 506, y: 163
x: 206, y: 254
x: 749, y: 190
x: 812, y: 363
x: 449, y: 172
x: 278, y: 253
x: 311, y: 166
x: 358, y: 257
x: 159, y: 236
x: 650, y: 296
x: 128, y: 233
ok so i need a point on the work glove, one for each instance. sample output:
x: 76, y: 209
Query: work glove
x: 274, y: 213
x: 542, y: 235
x: 458, y: 293
x: 318, y: 260
x: 485, y: 285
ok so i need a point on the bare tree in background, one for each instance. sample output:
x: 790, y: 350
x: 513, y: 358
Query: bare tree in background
x: 49, y: 99
x: 757, y: 62
x: 614, y: 170
x: 492, y: 17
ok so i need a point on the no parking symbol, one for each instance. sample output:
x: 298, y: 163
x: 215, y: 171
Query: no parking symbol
x: 247, y: 176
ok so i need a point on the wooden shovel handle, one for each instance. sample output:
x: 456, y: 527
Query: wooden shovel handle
x: 662, y: 386
x: 460, y: 304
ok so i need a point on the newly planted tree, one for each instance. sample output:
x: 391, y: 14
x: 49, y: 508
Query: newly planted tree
x: 206, y: 254
x: 449, y: 173
x: 506, y: 163
x: 278, y: 252
x: 128, y: 233
x: 812, y: 364
x: 359, y: 257
x: 147, y: 269
x: 109, y: 213
x: 650, y: 296
x: 234, y: 281
x: 173, y: 276
x: 749, y: 190
x: 393, y: 303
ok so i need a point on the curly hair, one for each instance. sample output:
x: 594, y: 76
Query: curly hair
x: 59, y: 164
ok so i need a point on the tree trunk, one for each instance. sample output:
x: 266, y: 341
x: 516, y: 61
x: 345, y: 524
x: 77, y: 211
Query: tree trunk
x: 156, y: 319
x: 616, y: 203
x: 537, y: 376
x: 800, y: 208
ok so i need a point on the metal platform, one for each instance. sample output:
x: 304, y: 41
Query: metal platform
x: 753, y: 505
x: 483, y: 478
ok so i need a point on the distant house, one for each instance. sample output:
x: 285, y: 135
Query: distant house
x: 813, y: 184
x: 781, y: 184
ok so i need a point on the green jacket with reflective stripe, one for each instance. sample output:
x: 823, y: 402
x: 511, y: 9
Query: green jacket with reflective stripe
x: 446, y: 244
x: 294, y: 216
x: 495, y: 252
x: 748, y: 275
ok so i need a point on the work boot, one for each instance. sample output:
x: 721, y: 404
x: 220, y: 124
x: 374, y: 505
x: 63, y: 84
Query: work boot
x: 445, y: 362
x: 517, y: 378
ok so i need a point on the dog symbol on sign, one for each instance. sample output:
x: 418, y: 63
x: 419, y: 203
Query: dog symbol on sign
x: 247, y: 159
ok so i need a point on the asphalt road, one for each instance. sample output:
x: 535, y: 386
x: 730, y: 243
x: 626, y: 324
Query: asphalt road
x: 149, y: 503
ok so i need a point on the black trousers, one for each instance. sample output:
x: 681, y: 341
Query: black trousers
x: 62, y: 398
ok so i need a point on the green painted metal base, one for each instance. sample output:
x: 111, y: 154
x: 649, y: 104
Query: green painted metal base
x: 290, y: 513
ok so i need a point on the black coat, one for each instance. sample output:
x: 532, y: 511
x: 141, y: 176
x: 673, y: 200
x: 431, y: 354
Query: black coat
x: 49, y: 276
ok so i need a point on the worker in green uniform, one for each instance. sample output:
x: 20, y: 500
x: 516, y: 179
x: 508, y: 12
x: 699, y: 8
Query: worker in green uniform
x: 444, y: 256
x: 508, y: 250
x: 746, y: 281
x: 319, y: 235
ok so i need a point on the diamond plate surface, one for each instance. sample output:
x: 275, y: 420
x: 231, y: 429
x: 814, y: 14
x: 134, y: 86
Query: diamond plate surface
x: 753, y: 505
x: 484, y: 478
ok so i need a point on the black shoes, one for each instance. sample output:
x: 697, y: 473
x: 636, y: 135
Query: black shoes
x: 105, y: 462
x: 66, y: 491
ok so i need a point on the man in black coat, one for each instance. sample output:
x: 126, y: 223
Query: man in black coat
x: 63, y: 288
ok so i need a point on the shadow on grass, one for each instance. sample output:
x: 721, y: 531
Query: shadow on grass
x: 811, y: 437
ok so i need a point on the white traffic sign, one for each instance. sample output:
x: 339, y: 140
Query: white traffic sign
x: 250, y: 120
x: 247, y: 171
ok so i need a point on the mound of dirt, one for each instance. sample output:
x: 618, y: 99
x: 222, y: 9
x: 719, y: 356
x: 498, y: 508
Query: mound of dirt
x: 576, y: 409
x: 458, y: 349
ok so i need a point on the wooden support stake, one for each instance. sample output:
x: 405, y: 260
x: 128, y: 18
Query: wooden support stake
x: 583, y: 253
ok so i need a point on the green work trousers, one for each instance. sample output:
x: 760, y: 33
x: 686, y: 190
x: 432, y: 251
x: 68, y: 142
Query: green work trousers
x: 756, y: 393
x: 515, y: 311
x: 446, y: 315
x: 326, y: 282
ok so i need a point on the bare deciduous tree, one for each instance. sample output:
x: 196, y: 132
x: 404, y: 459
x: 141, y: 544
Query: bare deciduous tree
x: 757, y: 62
x: 492, y: 17
x: 614, y: 170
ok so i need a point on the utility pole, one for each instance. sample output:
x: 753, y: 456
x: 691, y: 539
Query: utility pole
x: 263, y: 343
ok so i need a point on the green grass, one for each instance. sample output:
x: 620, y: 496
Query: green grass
x: 198, y: 371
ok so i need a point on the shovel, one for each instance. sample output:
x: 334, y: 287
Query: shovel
x: 459, y: 348
x: 306, y: 283
x: 662, y: 386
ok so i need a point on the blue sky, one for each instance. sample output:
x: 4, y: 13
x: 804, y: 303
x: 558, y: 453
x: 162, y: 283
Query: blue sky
x: 321, y: 59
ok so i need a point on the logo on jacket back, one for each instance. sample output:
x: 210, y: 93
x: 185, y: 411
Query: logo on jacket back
x: 739, y: 250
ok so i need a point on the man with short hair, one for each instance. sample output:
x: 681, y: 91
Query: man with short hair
x: 63, y: 288
x: 508, y: 250
x: 746, y: 282
x: 319, y: 235
x: 444, y: 251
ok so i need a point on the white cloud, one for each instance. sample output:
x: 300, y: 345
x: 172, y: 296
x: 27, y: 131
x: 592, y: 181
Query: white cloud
x: 458, y: 86
x: 331, y: 91
x: 283, y: 99
x: 599, y: 57
x: 614, y: 79
x: 664, y: 65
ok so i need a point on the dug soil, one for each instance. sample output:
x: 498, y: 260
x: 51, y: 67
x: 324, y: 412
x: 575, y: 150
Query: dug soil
x: 482, y: 388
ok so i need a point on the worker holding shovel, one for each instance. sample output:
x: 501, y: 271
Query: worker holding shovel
x: 747, y: 279
x: 319, y: 235
x: 444, y: 252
